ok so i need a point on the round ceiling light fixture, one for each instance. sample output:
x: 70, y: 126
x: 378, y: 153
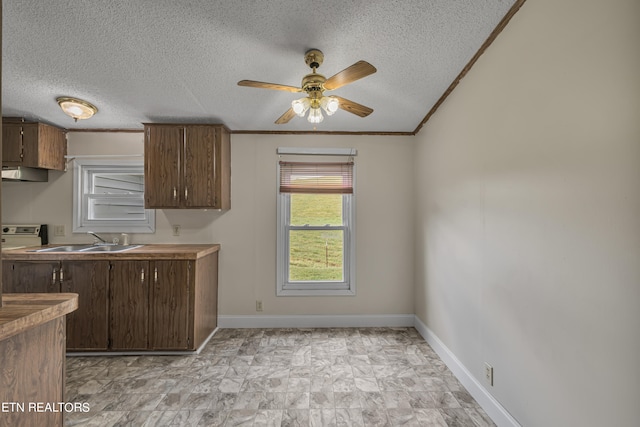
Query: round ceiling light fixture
x: 76, y: 108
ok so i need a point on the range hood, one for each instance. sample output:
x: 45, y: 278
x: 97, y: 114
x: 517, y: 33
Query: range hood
x: 19, y: 173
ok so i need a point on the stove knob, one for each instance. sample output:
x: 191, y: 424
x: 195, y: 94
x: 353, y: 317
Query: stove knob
x: 5, y: 230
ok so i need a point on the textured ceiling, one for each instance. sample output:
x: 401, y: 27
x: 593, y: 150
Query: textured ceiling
x: 179, y: 61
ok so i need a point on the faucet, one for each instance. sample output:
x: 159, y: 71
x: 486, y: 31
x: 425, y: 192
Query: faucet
x: 96, y: 236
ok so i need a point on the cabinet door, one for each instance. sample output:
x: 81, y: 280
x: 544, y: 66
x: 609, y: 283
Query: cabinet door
x: 129, y: 305
x: 11, y: 144
x: 200, y: 180
x: 87, y: 327
x: 30, y: 276
x: 31, y: 145
x: 169, y: 305
x: 49, y: 147
x: 34, y: 145
x: 163, y: 148
x: 223, y: 169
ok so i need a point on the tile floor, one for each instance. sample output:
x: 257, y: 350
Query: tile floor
x: 277, y: 377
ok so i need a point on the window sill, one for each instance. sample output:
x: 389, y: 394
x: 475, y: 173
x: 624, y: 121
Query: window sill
x: 315, y: 292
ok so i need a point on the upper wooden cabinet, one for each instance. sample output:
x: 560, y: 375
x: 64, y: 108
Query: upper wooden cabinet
x: 187, y: 166
x: 35, y: 145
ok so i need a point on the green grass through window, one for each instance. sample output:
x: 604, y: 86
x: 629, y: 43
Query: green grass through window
x: 316, y: 255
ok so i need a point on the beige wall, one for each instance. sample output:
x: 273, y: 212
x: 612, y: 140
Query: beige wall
x: 528, y: 215
x: 526, y: 207
x: 247, y: 232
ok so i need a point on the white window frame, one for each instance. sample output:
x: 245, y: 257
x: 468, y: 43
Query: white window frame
x: 346, y: 287
x: 83, y: 172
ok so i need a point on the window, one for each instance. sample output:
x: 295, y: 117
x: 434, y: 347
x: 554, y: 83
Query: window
x: 316, y: 245
x: 108, y: 196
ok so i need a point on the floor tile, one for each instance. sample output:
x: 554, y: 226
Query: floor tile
x: 277, y: 377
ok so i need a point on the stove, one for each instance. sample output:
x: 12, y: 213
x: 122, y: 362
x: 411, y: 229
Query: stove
x: 21, y: 236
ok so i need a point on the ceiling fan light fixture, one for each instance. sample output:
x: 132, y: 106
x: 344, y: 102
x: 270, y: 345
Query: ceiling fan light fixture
x: 315, y: 115
x: 300, y: 106
x: 76, y: 108
x: 329, y: 104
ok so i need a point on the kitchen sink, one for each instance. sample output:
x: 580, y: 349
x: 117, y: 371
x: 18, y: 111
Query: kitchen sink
x: 68, y: 248
x: 110, y: 248
x: 90, y: 248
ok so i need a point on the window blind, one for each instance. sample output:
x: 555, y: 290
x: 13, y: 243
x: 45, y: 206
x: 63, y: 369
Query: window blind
x: 316, y: 178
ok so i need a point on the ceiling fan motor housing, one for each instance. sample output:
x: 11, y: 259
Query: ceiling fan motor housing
x: 313, y: 58
x: 313, y: 84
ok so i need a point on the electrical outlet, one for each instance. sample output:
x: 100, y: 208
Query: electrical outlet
x: 58, y: 230
x: 176, y: 230
x: 258, y: 305
x: 488, y: 373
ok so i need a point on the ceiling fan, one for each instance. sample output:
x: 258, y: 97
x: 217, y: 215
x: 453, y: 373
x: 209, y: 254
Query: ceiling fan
x: 314, y: 85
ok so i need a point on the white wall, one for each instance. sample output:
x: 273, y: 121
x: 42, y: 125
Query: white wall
x: 528, y: 215
x: 247, y: 232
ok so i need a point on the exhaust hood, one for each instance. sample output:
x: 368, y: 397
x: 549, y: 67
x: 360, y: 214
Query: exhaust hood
x: 20, y: 173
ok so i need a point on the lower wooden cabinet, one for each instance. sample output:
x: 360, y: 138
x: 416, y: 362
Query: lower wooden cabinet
x: 170, y: 306
x: 127, y: 305
x: 183, y: 303
x: 30, y: 276
x: 87, y: 327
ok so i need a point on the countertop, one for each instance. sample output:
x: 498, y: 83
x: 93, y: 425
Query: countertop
x: 20, y: 312
x: 146, y: 252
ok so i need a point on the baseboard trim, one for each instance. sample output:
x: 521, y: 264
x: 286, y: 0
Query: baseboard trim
x: 316, y: 321
x: 491, y: 406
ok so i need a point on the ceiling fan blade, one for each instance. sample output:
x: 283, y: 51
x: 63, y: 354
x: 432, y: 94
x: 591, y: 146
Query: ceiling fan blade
x: 349, y: 75
x: 288, y: 115
x: 353, y: 107
x: 263, y: 85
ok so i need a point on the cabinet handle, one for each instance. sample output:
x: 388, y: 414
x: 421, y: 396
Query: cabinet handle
x: 186, y: 193
x: 155, y: 275
x: 61, y: 275
x: 142, y: 276
x: 53, y: 279
x: 175, y: 193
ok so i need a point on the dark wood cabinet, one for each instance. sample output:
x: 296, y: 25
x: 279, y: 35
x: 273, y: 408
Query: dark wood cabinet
x: 36, y: 145
x: 129, y: 305
x: 162, y: 154
x: 87, y: 327
x: 12, y: 148
x: 204, y: 298
x: 163, y: 299
x: 30, y: 276
x: 170, y: 308
x: 183, y: 303
x: 187, y: 166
